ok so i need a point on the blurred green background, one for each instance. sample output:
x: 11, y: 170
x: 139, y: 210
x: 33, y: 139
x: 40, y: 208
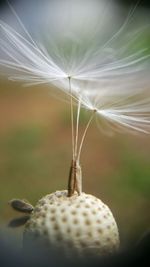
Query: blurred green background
x: 35, y: 155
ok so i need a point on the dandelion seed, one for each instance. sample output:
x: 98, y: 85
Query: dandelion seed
x: 123, y: 109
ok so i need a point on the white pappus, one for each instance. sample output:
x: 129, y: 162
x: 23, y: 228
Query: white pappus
x: 102, y: 64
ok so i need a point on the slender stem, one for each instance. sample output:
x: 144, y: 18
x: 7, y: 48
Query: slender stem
x: 72, y: 179
x: 72, y: 119
x: 84, y: 135
x: 77, y: 127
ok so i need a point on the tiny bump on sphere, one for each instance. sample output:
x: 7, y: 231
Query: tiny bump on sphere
x: 56, y: 227
x: 38, y: 215
x: 78, y: 234
x: 53, y: 210
x: 52, y: 218
x: 62, y: 210
x: 100, y: 231
x: 45, y: 232
x: 73, y: 212
x: 94, y: 212
x: 75, y: 221
x: 42, y: 214
x: 99, y: 221
x: 97, y: 243
x: 84, y: 214
x: 68, y: 230
x: 114, y: 247
x: 37, y: 209
x: 87, y: 222
x: 83, y: 244
x: 89, y: 234
x: 59, y: 237
x: 64, y: 219
x: 34, y: 224
x: 42, y: 202
x: 108, y: 239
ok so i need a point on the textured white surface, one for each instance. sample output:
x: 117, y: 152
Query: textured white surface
x: 80, y: 222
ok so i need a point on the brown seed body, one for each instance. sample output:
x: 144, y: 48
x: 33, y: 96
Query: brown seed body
x: 79, y: 222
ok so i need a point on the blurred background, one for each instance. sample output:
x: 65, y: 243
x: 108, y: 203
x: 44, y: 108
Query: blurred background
x: 35, y: 156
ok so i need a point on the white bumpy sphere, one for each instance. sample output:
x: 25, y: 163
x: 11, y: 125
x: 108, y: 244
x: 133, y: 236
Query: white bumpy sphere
x: 78, y: 222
